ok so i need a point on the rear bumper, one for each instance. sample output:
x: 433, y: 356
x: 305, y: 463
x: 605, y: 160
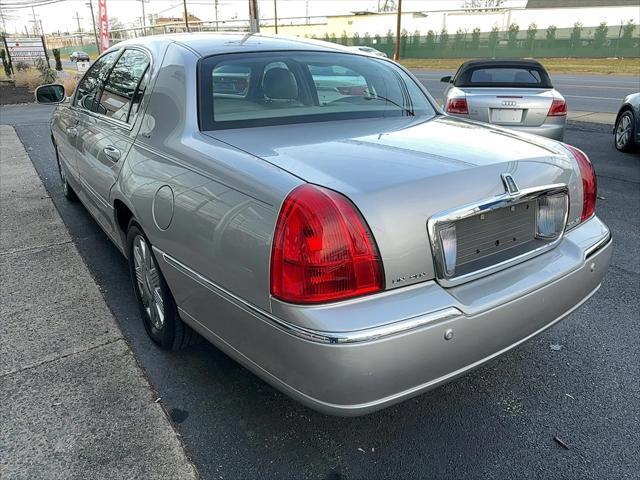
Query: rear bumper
x: 549, y: 130
x: 404, y: 349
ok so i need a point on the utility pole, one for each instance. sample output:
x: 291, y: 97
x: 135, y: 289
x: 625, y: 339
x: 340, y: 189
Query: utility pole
x: 186, y: 15
x: 306, y: 10
x: 396, y: 55
x: 275, y: 14
x: 93, y: 20
x: 78, y: 17
x: 254, y: 22
x: 215, y: 5
x: 144, y: 19
x: 35, y: 22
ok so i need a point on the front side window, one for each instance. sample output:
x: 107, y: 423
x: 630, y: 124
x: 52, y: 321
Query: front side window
x: 120, y: 89
x: 89, y: 88
x: 265, y: 88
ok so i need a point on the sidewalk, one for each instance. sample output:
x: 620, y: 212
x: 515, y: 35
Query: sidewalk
x: 73, y: 401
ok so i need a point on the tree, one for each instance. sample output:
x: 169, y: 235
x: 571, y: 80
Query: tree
x: 377, y: 40
x: 551, y: 35
x: 576, y: 35
x: 600, y: 35
x: 343, y: 38
x: 458, y: 39
x: 431, y: 39
x: 494, y: 36
x: 416, y: 38
x: 627, y: 33
x: 333, y: 38
x: 475, y: 38
x: 512, y: 35
x: 366, y: 39
x: 326, y: 36
x: 532, y: 30
x: 356, y: 38
x: 389, y: 37
x: 444, y: 39
x: 480, y: 5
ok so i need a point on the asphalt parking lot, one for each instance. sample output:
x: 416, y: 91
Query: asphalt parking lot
x: 577, y: 382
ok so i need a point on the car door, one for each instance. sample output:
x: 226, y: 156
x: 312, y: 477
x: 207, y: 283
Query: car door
x: 105, y: 132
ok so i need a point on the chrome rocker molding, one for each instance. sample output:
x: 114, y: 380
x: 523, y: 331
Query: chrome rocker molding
x: 486, y: 205
x: 366, y: 335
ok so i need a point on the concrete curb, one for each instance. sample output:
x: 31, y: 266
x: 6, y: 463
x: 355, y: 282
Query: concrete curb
x: 75, y: 403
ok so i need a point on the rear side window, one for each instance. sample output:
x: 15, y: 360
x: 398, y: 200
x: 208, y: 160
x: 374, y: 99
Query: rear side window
x: 532, y: 77
x: 89, y: 88
x: 123, y: 88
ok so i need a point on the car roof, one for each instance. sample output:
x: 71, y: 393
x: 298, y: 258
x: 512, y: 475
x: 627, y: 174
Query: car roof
x: 205, y: 44
x: 500, y: 62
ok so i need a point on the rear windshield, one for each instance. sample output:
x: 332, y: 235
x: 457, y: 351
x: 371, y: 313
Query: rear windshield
x: 525, y: 76
x: 277, y: 88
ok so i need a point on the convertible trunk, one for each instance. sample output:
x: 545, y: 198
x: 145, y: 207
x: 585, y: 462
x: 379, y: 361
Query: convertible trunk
x: 402, y: 172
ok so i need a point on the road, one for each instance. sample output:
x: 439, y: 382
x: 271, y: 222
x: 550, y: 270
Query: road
x: 592, y: 93
x: 497, y: 422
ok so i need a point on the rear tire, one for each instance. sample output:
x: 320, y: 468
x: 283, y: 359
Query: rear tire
x: 624, y: 133
x: 155, y: 301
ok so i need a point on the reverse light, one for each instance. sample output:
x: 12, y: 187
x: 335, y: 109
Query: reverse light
x: 458, y: 106
x: 323, y: 250
x: 551, y: 216
x: 449, y: 244
x: 558, y: 108
x: 589, y: 182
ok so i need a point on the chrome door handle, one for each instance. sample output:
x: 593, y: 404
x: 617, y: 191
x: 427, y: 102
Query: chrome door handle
x: 112, y: 152
x: 73, y: 131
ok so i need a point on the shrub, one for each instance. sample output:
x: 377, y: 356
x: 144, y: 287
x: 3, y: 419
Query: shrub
x: 444, y: 39
x: 69, y: 82
x: 551, y: 34
x: 532, y: 30
x: 22, y: 66
x: 493, y: 39
x: 475, y: 38
x: 333, y: 38
x: 627, y: 33
x: 29, y: 78
x: 576, y: 35
x: 56, y: 55
x: 458, y: 39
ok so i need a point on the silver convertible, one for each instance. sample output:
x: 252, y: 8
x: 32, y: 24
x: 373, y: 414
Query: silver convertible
x: 353, y: 249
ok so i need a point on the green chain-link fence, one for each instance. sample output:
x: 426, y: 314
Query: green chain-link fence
x: 581, y: 42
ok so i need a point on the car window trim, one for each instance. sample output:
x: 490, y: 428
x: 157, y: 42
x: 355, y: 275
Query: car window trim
x: 203, y: 63
x: 119, y: 123
x: 104, y: 85
x: 75, y: 94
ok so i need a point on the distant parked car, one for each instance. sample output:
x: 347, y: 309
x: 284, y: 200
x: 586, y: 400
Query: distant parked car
x: 513, y: 93
x: 79, y: 57
x: 627, y: 128
x: 369, y: 50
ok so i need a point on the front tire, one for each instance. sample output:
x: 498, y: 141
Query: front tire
x: 155, y: 301
x: 625, y: 132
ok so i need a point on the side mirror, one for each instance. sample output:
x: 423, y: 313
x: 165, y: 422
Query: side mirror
x: 53, y: 93
x: 446, y: 79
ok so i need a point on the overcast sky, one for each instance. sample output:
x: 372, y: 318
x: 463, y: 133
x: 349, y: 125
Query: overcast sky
x: 61, y: 16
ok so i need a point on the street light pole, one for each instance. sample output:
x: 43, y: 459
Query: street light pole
x: 396, y: 55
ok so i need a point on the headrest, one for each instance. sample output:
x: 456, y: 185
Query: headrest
x: 279, y: 83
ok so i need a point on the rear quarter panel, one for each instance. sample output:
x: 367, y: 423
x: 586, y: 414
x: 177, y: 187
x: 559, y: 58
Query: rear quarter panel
x: 222, y: 204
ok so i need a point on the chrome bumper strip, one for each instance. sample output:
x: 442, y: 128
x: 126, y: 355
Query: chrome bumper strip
x: 336, y: 338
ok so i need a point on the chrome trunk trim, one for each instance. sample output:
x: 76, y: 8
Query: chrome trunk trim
x: 469, y: 210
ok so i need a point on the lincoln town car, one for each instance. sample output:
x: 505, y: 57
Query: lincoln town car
x: 313, y: 213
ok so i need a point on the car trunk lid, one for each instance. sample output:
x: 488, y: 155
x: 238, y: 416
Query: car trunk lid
x: 400, y: 172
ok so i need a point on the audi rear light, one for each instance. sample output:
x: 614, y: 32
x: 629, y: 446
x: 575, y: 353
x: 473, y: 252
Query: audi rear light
x: 323, y: 250
x: 558, y: 108
x: 457, y: 105
x: 589, y: 183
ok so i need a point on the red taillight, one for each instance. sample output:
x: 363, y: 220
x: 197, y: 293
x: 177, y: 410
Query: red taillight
x: 589, y: 183
x: 322, y: 249
x: 457, y: 105
x: 558, y: 108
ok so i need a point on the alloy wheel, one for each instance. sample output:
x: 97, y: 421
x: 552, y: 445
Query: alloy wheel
x: 148, y: 282
x: 623, y: 131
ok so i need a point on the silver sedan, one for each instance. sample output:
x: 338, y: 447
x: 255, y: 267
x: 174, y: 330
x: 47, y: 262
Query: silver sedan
x: 312, y: 213
x: 517, y: 94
